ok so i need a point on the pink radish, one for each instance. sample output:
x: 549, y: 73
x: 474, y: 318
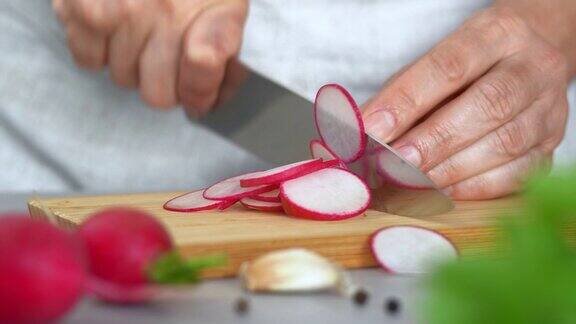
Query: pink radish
x: 319, y: 151
x: 408, y: 249
x: 122, y: 243
x: 42, y: 270
x: 261, y: 205
x: 230, y: 189
x: 192, y: 202
x: 328, y: 194
x: 399, y: 173
x: 339, y: 122
x: 227, y: 204
x: 270, y: 196
x: 282, y: 173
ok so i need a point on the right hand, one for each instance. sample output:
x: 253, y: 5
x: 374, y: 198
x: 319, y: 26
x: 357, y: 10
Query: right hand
x: 174, y: 51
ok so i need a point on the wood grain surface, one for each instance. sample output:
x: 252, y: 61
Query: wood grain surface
x: 244, y: 234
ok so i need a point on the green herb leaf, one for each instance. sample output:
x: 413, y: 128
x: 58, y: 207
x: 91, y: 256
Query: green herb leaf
x: 172, y: 268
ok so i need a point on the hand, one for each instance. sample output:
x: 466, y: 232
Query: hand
x: 482, y: 109
x: 174, y: 51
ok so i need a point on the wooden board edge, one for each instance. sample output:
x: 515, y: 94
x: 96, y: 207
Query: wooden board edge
x: 38, y: 210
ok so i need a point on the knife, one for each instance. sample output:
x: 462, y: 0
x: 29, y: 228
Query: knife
x: 276, y: 125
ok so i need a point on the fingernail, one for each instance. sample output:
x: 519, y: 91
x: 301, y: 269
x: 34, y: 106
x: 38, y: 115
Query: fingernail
x: 411, y: 154
x: 447, y: 191
x: 380, y: 123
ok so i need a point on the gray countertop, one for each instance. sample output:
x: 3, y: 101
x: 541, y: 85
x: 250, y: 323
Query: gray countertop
x: 212, y: 301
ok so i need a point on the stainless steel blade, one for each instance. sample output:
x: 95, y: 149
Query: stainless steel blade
x: 277, y: 125
x: 395, y: 198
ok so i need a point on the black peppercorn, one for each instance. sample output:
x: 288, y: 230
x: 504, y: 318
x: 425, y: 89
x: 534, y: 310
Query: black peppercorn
x: 360, y: 297
x: 392, y: 306
x: 241, y: 306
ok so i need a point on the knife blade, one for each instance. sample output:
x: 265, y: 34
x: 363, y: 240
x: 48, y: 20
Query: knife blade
x: 277, y: 125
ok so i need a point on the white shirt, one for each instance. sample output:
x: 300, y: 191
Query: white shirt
x: 62, y: 128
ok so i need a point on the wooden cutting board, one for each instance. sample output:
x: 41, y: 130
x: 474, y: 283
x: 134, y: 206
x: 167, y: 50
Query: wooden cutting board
x: 244, y: 234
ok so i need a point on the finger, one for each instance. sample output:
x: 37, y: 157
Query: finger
x: 101, y: 15
x: 61, y: 10
x: 451, y: 65
x: 495, y: 99
x: 158, y: 66
x: 538, y: 124
x: 88, y: 48
x: 127, y: 44
x: 235, y: 75
x: 502, y: 180
x: 213, y: 39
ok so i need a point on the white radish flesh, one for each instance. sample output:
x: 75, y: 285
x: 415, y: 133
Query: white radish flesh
x: 339, y: 122
x: 230, y: 189
x: 328, y: 194
x: 282, y: 173
x: 261, y: 205
x: 319, y: 151
x: 410, y: 249
x: 399, y: 173
x: 191, y: 202
x: 270, y: 196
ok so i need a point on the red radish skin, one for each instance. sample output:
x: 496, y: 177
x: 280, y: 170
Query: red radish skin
x: 328, y: 194
x: 121, y: 294
x: 122, y: 243
x: 282, y: 173
x: 261, y: 205
x: 192, y: 202
x: 42, y: 270
x: 339, y: 122
x: 270, y: 196
x: 230, y: 189
x: 227, y: 204
x: 319, y: 150
x: 408, y: 249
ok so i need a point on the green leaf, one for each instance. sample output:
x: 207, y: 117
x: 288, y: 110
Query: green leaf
x: 531, y: 280
x: 172, y: 268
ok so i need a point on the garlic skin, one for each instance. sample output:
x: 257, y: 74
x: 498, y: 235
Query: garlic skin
x: 290, y: 270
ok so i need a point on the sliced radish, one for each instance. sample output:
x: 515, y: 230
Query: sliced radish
x: 339, y: 122
x: 282, y: 173
x: 227, y: 204
x: 319, y: 151
x: 261, y: 205
x: 328, y: 194
x: 399, y: 173
x: 410, y: 249
x: 270, y: 196
x: 191, y: 202
x: 230, y: 189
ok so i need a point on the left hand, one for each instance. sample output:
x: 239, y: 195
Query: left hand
x: 481, y: 110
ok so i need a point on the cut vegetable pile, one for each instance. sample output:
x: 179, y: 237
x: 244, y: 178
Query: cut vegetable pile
x: 321, y: 188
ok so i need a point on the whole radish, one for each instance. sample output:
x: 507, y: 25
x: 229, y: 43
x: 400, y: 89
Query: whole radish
x: 42, y: 270
x: 130, y: 252
x: 121, y: 244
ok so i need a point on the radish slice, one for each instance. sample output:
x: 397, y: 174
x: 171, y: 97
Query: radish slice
x: 282, y: 173
x: 230, y: 189
x: 399, y: 173
x: 319, y: 151
x: 328, y: 194
x: 339, y: 122
x: 270, y: 196
x: 227, y: 204
x: 261, y: 205
x: 410, y: 249
x: 191, y: 202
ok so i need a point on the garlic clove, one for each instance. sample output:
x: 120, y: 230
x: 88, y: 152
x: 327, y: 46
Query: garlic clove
x: 290, y: 270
